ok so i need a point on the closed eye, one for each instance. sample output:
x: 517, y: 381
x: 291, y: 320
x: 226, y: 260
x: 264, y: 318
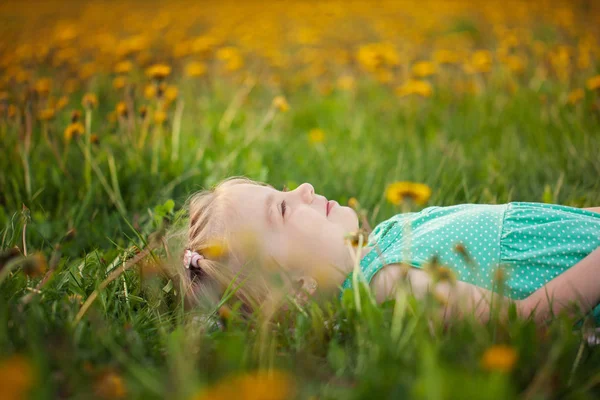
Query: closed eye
x: 283, y: 208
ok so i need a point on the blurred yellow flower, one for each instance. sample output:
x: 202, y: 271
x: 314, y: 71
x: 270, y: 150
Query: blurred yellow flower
x: 232, y: 58
x: 47, y: 114
x: 443, y: 56
x: 575, y: 96
x: 481, y: 61
x: 171, y: 93
x: 259, y: 385
x: 214, y: 249
x: 158, y: 71
x: 119, y: 82
x: 515, y: 63
x: 195, y: 69
x: 89, y: 101
x: 123, y: 67
x: 353, y: 203
x: 280, y: 103
x: 42, y: 86
x: 415, y: 86
x: 423, y: 69
x: 62, y: 103
x: 110, y: 385
x: 501, y: 358
x: 316, y: 135
x: 398, y: 192
x: 593, y: 83
x: 160, y: 117
x: 74, y: 129
x: 121, y: 109
x: 150, y: 91
x: 17, y: 377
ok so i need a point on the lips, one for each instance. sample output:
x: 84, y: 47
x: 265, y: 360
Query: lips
x: 330, y: 205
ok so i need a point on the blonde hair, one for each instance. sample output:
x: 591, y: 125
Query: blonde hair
x: 210, y: 222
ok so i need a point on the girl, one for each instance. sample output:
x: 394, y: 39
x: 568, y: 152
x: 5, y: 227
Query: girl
x: 546, y: 255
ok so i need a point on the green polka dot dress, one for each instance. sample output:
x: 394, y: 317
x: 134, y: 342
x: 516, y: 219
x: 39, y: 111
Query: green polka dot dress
x: 534, y: 242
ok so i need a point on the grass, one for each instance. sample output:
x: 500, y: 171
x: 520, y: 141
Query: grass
x: 499, y: 143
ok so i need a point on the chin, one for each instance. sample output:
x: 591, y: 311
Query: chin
x: 348, y: 218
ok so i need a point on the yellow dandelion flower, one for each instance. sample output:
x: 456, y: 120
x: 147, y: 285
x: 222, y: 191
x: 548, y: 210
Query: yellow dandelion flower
x: 122, y: 109
x: 423, y: 69
x: 158, y: 71
x: 47, y: 114
x: 43, y: 86
x: 89, y: 101
x: 74, y: 129
x: 94, y: 138
x: 123, y: 67
x: 214, y: 249
x: 501, y: 358
x: 316, y: 135
x: 143, y: 111
x: 17, y: 377
x: 87, y: 70
x: 481, y: 61
x: 160, y: 117
x: 353, y: 203
x: 415, y: 86
x: 263, y: 385
x: 231, y: 57
x: 71, y: 86
x: 62, y: 103
x: 171, y: 93
x: 75, y: 116
x: 150, y: 91
x: 280, y: 103
x: 593, y: 83
x: 353, y: 238
x: 515, y: 64
x: 575, y: 96
x: 110, y: 385
x: 443, y: 56
x: 195, y: 69
x: 398, y: 192
x: 119, y: 82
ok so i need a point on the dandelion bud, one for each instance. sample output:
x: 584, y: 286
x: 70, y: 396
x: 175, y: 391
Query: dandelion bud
x: 75, y: 116
x: 89, y: 101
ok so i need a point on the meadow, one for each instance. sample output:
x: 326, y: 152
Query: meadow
x: 113, y: 113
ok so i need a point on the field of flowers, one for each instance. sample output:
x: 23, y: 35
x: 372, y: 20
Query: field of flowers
x: 112, y: 113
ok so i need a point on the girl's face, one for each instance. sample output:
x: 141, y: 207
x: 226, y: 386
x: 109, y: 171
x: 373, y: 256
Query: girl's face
x: 300, y: 230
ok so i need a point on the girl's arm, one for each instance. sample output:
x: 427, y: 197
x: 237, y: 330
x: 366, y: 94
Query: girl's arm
x: 579, y: 284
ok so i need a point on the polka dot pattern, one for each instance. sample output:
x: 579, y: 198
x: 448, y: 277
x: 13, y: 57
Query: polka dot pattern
x: 533, y: 242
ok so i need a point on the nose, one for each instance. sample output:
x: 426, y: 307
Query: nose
x: 307, y: 192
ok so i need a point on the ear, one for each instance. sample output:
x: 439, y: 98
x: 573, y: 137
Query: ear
x: 305, y: 287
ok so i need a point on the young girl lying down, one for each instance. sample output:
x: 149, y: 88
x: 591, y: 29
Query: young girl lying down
x: 550, y: 253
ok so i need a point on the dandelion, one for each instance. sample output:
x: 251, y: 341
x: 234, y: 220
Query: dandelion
x: 42, y: 87
x: 345, y: 82
x: 423, y: 69
x: 119, y: 82
x: 75, y: 116
x: 123, y: 67
x: 47, y: 114
x: 110, y: 385
x: 158, y: 71
x: 150, y: 91
x: 143, y: 111
x: 232, y: 58
x: 122, y: 109
x: 89, y: 101
x: 160, y: 117
x: 74, y: 129
x: 316, y: 135
x: 195, y: 69
x: 62, y: 102
x: 16, y: 377
x: 171, y: 93
x: 259, y: 385
x: 443, y: 56
x: 575, y: 96
x: 280, y: 103
x: 353, y: 203
x: 94, y: 138
x: 415, y: 86
x: 399, y: 192
x: 593, y: 83
x: 500, y: 358
x: 353, y: 238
